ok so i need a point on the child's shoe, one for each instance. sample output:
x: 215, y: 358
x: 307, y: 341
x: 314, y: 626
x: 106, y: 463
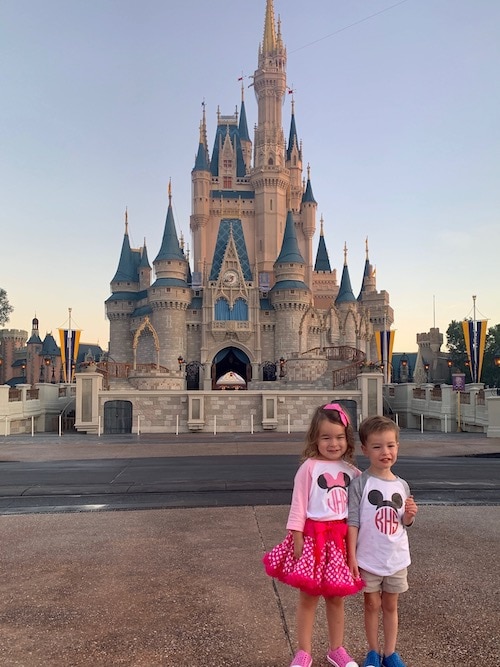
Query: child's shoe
x: 373, y: 659
x: 301, y: 659
x: 392, y: 660
x: 340, y: 658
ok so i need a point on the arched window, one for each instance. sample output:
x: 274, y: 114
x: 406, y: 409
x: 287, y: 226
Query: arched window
x: 222, y: 311
x: 240, y: 310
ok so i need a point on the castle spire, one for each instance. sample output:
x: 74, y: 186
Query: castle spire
x: 170, y: 248
x: 345, y: 294
x: 269, y: 42
x: 322, y: 260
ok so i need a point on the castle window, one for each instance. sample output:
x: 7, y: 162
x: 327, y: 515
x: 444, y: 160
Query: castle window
x: 227, y: 182
x: 227, y: 164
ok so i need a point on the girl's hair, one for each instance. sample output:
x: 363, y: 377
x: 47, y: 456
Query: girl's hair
x: 336, y: 415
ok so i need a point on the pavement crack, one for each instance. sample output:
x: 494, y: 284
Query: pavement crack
x: 277, y: 597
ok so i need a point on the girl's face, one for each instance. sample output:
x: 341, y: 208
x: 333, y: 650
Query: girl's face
x: 332, y: 441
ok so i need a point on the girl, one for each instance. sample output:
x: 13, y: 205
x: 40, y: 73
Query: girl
x: 312, y: 557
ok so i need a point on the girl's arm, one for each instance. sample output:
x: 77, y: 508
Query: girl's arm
x: 352, y: 539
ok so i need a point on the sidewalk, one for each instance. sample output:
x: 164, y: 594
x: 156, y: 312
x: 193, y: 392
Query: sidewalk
x: 186, y: 586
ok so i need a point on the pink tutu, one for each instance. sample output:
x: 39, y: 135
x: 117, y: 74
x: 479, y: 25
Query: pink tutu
x: 322, y: 568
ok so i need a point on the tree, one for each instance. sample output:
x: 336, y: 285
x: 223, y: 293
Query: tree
x: 5, y: 308
x: 455, y: 341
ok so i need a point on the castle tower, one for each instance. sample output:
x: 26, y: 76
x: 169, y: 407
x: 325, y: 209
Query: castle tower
x: 324, y: 280
x: 122, y: 302
x: 200, y: 179
x: 270, y: 178
x: 169, y: 296
x: 33, y: 358
x: 290, y: 295
x: 294, y: 164
x: 308, y: 211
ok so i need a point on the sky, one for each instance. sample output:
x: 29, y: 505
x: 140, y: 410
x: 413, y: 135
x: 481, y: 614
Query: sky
x: 397, y: 104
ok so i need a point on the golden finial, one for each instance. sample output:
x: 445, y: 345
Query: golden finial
x: 169, y: 190
x: 345, y: 253
x: 126, y: 220
x: 366, y: 247
x: 321, y: 225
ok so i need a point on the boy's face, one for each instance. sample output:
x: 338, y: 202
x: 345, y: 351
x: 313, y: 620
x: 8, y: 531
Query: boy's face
x: 381, y: 449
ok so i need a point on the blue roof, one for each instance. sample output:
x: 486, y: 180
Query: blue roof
x: 265, y: 304
x: 290, y: 252
x: 144, y: 263
x: 50, y: 347
x: 292, y: 139
x: 227, y: 227
x: 122, y: 296
x: 289, y: 284
x: 196, y: 303
x: 345, y: 294
x: 322, y: 259
x: 202, y: 162
x: 128, y: 263
x: 308, y: 193
x: 220, y: 136
x: 169, y: 282
x: 142, y: 310
x: 170, y: 248
x: 243, y: 128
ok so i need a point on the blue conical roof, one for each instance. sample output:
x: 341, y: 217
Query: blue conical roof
x: 290, y: 248
x: 243, y: 127
x: 345, y: 294
x: 202, y: 162
x: 144, y: 263
x: 322, y: 259
x: 127, y: 266
x: 292, y: 139
x: 170, y: 248
x: 308, y: 193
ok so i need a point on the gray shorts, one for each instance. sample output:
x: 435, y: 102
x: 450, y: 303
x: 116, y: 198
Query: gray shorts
x: 395, y: 583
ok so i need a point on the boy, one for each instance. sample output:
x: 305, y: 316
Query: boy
x: 380, y: 509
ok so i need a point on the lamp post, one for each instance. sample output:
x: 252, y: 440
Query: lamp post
x: 403, y: 371
x: 426, y: 369
x: 180, y: 361
x: 282, y: 363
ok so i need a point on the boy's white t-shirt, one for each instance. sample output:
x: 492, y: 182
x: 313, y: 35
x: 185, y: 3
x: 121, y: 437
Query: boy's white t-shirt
x: 376, y: 508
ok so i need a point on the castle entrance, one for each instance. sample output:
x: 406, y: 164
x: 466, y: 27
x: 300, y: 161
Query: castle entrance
x: 231, y: 369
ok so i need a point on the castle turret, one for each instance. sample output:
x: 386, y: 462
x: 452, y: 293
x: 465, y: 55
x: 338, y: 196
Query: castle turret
x: 122, y: 302
x: 201, y: 179
x: 324, y: 284
x: 294, y: 164
x: 33, y: 358
x: 368, y: 284
x: 169, y: 296
x: 308, y: 216
x: 144, y: 269
x: 290, y: 296
x: 246, y: 144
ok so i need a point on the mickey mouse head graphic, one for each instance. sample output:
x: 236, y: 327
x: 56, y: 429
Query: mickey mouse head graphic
x: 336, y: 488
x: 386, y: 517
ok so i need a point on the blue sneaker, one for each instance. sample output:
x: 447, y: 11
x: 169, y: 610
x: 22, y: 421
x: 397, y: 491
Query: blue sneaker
x: 392, y: 660
x: 373, y: 659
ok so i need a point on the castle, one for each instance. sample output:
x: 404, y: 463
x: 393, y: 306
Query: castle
x: 257, y: 305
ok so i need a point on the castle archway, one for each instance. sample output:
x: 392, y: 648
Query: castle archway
x: 231, y: 360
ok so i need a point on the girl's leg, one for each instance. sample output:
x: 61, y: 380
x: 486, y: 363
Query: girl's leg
x: 390, y: 621
x: 373, y: 602
x: 335, y: 620
x: 306, y: 611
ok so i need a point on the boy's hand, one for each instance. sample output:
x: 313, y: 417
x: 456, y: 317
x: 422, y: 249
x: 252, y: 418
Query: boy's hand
x: 353, y: 566
x: 411, y: 509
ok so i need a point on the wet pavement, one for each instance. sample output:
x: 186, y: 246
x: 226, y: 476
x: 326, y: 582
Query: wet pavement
x: 186, y: 587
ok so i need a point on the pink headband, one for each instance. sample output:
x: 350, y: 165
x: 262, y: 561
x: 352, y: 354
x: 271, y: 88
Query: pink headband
x: 342, y: 414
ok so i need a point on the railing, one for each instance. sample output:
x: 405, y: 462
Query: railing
x: 480, y: 397
x: 436, y: 394
x: 15, y: 394
x: 346, y: 374
x: 32, y: 394
x: 418, y: 393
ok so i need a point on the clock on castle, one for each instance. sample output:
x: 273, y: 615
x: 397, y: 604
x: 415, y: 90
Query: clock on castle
x: 254, y: 298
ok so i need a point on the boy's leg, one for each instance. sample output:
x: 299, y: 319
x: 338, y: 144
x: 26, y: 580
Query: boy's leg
x: 390, y: 621
x: 306, y: 611
x: 373, y: 602
x: 335, y: 620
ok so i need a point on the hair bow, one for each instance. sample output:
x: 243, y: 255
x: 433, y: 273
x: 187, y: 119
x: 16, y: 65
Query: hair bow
x: 342, y: 414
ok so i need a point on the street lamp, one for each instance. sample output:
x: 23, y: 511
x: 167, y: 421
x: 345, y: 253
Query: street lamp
x: 282, y: 363
x: 180, y: 361
x: 426, y: 369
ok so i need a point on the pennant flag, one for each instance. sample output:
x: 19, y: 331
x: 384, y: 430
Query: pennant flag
x: 475, y: 342
x: 385, y: 343
x: 70, y: 342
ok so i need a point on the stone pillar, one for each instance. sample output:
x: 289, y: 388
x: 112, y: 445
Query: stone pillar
x: 88, y: 386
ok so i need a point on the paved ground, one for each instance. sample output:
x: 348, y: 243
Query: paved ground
x: 186, y: 586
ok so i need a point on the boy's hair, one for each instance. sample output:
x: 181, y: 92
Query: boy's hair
x: 335, y: 417
x: 376, y: 424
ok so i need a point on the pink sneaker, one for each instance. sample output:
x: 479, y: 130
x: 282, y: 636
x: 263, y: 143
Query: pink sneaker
x: 340, y: 658
x: 301, y: 659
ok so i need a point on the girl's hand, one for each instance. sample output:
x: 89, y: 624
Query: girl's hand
x: 410, y: 511
x: 298, y: 543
